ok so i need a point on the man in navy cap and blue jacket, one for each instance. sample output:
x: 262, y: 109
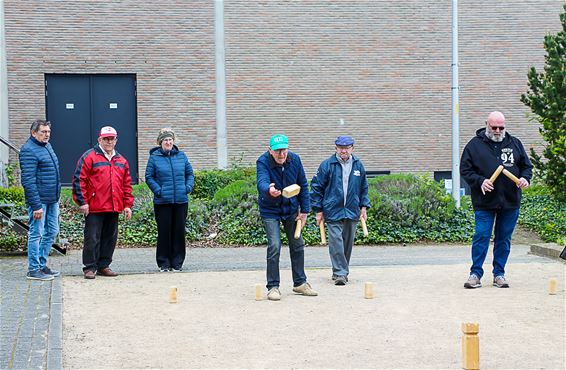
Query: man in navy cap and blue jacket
x: 276, y: 169
x: 339, y: 196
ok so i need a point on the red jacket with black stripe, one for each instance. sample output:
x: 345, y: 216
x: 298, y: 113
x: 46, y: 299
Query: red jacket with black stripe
x: 106, y: 186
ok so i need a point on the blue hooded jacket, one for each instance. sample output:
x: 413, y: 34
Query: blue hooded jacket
x: 39, y: 173
x: 169, y: 175
x: 291, y: 172
x: 327, y: 194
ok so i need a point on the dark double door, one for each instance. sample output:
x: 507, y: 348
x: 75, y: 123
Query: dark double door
x: 79, y: 105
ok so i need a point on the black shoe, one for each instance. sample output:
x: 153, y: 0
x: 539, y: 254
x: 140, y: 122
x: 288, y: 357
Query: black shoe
x: 335, y: 276
x: 47, y: 271
x: 340, y: 280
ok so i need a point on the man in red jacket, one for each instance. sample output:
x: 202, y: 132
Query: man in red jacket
x: 102, y: 187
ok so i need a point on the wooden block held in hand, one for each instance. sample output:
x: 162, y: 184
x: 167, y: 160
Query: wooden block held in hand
x: 291, y: 191
x: 322, y: 233
x: 298, y: 229
x: 496, y: 173
x: 364, y: 226
x: 511, y: 176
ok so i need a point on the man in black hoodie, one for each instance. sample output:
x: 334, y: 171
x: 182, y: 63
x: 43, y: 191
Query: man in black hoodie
x: 497, y: 202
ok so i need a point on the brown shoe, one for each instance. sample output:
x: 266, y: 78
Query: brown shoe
x: 89, y: 274
x: 107, y: 272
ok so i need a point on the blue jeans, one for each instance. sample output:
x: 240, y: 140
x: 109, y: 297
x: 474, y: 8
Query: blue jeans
x: 340, y: 243
x: 41, y: 235
x: 296, y: 251
x: 505, y: 221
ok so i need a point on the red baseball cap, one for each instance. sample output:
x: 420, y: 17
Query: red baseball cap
x: 107, y: 131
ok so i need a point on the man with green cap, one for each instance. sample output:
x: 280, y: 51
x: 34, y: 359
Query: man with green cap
x: 278, y: 168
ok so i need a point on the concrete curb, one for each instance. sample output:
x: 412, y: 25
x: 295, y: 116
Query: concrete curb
x: 55, y: 336
x: 550, y: 250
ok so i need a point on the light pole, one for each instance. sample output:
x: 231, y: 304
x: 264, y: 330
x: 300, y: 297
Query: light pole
x: 455, y: 109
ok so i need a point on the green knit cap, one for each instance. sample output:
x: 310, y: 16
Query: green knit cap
x: 165, y: 133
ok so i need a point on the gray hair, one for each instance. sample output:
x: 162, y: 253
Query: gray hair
x: 38, y: 122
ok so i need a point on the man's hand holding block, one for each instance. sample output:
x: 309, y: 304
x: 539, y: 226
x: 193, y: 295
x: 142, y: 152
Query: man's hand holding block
x: 291, y: 191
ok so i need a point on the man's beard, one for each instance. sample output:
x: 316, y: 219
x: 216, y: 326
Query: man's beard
x: 491, y: 136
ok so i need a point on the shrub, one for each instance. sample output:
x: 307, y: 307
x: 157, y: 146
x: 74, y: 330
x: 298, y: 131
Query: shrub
x: 405, y: 208
x: 13, y: 195
x: 544, y: 214
x: 236, y: 216
x: 11, y: 241
x: 208, y: 182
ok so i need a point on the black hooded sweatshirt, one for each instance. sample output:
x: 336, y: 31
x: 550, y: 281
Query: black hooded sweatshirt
x: 480, y: 159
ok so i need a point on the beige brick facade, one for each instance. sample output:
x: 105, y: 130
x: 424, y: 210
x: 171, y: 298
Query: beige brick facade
x: 377, y: 70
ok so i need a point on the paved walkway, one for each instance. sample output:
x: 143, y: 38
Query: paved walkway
x: 31, y: 311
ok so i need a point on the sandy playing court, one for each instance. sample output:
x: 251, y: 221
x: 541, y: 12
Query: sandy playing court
x: 413, y: 321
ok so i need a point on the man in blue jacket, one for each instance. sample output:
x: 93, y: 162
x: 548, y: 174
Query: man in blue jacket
x: 496, y: 202
x: 276, y: 169
x: 339, y: 196
x: 42, y: 188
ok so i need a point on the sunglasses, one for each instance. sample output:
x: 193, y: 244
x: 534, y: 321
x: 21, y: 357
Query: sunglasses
x: 495, y: 128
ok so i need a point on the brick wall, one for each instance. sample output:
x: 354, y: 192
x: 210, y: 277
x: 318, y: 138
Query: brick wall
x: 169, y: 46
x: 377, y: 70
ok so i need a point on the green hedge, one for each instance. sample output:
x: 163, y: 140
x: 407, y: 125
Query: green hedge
x: 208, y: 182
x: 405, y: 208
x: 223, y: 211
x: 10, y: 241
x: 544, y: 214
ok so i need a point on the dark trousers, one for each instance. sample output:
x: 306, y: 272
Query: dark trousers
x: 296, y: 251
x: 170, y: 219
x: 100, y: 236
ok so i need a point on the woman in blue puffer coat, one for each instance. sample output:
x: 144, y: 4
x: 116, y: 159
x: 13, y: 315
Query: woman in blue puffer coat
x: 170, y: 177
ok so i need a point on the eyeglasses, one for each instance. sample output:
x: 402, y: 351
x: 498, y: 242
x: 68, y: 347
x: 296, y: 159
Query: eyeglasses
x: 109, y: 139
x: 338, y: 147
x: 495, y: 128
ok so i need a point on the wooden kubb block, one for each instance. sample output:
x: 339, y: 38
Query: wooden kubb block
x: 291, y: 190
x: 470, y: 346
x: 368, y: 290
x: 552, y: 285
x: 173, y: 294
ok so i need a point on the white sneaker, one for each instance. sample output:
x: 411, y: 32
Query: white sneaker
x: 274, y: 294
x: 305, y: 289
